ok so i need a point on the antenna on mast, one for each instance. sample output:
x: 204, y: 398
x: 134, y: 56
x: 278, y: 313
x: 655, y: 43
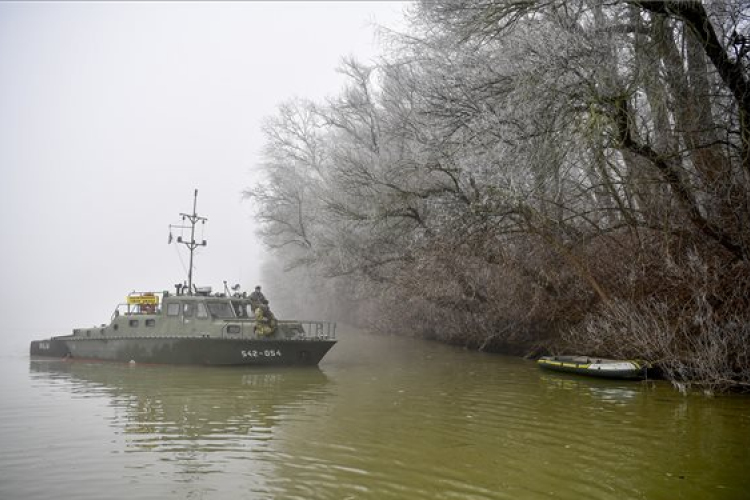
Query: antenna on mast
x: 194, y: 218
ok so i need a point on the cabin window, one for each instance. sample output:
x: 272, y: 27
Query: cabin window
x: 200, y: 310
x: 233, y: 329
x: 150, y: 322
x: 221, y: 310
x: 173, y: 310
x: 187, y: 309
x: 133, y: 323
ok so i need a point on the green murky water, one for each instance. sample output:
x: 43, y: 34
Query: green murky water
x: 382, y: 418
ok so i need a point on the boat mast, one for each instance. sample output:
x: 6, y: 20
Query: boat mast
x: 192, y: 244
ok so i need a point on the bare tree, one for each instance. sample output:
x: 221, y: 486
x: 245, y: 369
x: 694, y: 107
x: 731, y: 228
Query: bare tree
x: 518, y: 168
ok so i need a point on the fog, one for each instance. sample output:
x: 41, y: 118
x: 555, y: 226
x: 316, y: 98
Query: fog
x: 113, y: 113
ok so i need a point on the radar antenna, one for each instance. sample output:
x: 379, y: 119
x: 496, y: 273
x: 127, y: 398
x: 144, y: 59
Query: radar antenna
x: 194, y: 218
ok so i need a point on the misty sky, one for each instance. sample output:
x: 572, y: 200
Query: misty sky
x: 112, y: 113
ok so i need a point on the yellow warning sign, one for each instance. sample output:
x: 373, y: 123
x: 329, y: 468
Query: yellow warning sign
x: 143, y: 299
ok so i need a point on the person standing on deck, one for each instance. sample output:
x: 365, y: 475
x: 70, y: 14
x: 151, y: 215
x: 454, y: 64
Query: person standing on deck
x: 257, y: 299
x: 265, y: 321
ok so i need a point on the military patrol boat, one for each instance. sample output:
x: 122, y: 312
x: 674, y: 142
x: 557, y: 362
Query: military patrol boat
x: 192, y: 325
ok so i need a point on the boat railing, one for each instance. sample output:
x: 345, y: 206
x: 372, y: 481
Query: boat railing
x: 323, y: 330
x: 125, y: 309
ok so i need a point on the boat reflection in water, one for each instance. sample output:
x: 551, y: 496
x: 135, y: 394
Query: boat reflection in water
x: 610, y: 391
x: 190, y: 410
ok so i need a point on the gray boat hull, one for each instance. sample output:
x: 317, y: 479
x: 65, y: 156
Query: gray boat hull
x: 187, y: 350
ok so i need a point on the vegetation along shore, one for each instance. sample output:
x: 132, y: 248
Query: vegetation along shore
x: 532, y: 177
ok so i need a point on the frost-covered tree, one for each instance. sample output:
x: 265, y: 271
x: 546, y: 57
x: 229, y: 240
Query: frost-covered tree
x: 515, y: 168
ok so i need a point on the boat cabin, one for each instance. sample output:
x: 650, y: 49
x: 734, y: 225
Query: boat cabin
x: 200, y: 314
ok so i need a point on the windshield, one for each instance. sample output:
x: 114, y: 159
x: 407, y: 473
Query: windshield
x: 220, y: 310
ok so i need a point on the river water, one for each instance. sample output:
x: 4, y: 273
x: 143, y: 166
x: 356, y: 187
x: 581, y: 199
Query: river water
x: 381, y: 418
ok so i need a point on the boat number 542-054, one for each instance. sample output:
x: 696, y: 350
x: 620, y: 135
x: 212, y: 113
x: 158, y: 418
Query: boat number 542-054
x: 268, y: 353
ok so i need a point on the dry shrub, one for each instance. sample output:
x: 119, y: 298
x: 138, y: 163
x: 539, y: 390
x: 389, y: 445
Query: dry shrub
x: 695, y: 326
x: 481, y: 296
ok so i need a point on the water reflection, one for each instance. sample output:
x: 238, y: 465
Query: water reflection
x: 391, y: 418
x: 611, y: 391
x: 185, y: 423
x: 184, y: 408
